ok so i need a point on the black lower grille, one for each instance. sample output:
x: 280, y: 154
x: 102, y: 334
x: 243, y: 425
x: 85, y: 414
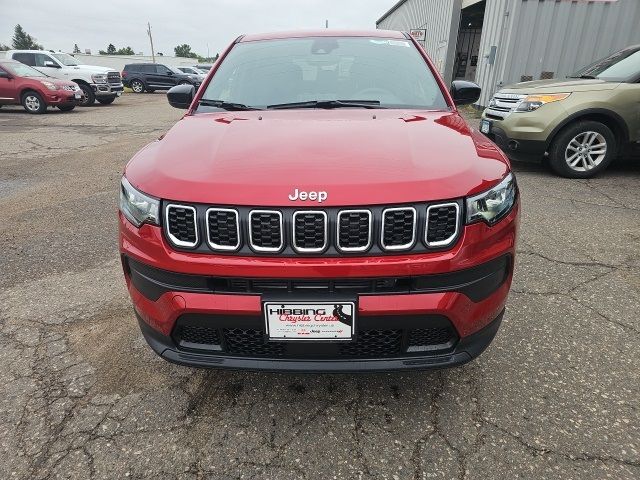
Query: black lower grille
x: 246, y: 337
x: 373, y: 344
x: 442, y: 223
x: 250, y: 342
x: 181, y: 225
x: 430, y: 336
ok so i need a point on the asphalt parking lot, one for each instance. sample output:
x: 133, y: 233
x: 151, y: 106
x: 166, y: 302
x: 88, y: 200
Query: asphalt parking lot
x: 557, y: 395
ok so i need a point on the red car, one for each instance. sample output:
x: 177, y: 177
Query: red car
x: 322, y: 206
x: 22, y: 85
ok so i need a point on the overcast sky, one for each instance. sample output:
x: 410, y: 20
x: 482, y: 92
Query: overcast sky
x: 200, y: 23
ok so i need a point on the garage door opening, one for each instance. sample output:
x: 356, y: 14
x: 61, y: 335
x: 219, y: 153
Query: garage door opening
x: 468, y: 45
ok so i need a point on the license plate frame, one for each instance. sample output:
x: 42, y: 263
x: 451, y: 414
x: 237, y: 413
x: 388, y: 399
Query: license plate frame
x: 323, y: 324
x: 485, y: 126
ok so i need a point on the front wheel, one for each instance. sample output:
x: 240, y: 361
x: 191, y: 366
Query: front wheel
x: 33, y: 103
x: 137, y: 86
x: 582, y: 150
x: 88, y: 97
x: 66, y: 108
x: 106, y: 101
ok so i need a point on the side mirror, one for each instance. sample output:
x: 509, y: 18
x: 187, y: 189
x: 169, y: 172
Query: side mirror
x: 4, y: 74
x: 181, y: 96
x: 464, y: 92
x: 49, y: 63
x: 169, y: 72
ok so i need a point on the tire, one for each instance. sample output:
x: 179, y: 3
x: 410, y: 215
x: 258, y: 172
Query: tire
x: 137, y: 86
x: 582, y: 149
x: 33, y: 103
x: 106, y: 101
x: 89, y: 97
x: 66, y: 108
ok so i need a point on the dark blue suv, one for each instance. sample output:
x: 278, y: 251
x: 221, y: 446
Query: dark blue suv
x: 141, y: 77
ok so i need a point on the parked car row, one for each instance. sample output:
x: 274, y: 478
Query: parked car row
x: 149, y: 77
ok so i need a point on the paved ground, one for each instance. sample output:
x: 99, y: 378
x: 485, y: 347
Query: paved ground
x: 555, y: 396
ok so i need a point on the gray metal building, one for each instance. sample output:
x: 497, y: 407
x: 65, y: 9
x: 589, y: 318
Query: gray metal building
x: 500, y: 42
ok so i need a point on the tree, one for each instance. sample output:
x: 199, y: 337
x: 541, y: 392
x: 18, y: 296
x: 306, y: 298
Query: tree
x: 125, y: 51
x: 184, y: 50
x: 111, y: 49
x: 23, y: 41
x: 75, y: 48
x: 4, y: 47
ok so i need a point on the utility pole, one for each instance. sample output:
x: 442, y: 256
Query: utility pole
x: 153, y: 54
x: 326, y: 24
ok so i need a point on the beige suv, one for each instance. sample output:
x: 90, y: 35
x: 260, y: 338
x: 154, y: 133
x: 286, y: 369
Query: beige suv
x: 579, y: 124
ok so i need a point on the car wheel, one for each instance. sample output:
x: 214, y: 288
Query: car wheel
x: 582, y: 150
x: 137, y: 86
x: 66, y: 108
x: 33, y: 103
x: 88, y: 97
x: 106, y: 101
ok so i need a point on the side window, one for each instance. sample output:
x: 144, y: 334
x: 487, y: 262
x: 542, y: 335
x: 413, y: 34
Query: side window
x: 162, y: 70
x: 41, y: 58
x: 26, y: 58
x: 147, y: 69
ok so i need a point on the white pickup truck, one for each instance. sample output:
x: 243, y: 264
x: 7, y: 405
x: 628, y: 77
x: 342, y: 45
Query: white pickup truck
x: 97, y: 83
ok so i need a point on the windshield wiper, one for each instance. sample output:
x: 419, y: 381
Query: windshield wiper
x: 226, y: 105
x: 328, y: 104
x: 586, y: 77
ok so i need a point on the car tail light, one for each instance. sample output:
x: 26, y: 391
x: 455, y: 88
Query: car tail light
x: 123, y: 74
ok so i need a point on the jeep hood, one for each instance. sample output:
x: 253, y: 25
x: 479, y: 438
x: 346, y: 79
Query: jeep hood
x: 358, y: 157
x: 556, y: 85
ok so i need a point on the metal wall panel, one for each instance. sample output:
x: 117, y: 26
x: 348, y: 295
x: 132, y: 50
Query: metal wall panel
x: 535, y: 36
x: 440, y: 18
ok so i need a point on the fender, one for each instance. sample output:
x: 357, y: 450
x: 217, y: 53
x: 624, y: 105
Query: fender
x: 624, y: 128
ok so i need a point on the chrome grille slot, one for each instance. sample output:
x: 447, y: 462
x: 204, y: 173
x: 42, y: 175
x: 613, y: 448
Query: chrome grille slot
x: 309, y: 231
x: 223, y: 229
x: 181, y: 227
x: 266, y: 230
x: 354, y: 230
x: 442, y: 224
x: 114, y: 78
x: 398, y: 228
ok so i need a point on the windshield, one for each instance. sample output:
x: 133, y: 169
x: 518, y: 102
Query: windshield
x: 275, y: 72
x: 621, y: 66
x: 66, y: 59
x: 22, y: 70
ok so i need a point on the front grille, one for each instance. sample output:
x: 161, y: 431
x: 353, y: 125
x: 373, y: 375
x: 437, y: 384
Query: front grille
x: 354, y: 230
x: 266, y: 230
x: 398, y: 228
x: 331, y: 231
x: 114, y: 78
x: 198, y: 336
x: 309, y: 231
x: 502, y: 104
x: 181, y: 225
x: 442, y: 224
x: 223, y: 229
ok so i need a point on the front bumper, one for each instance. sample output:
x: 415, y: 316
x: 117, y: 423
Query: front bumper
x: 463, y: 289
x: 517, y: 149
x: 107, y: 89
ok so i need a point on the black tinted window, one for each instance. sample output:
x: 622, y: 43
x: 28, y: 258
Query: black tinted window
x: 162, y: 70
x: 26, y: 58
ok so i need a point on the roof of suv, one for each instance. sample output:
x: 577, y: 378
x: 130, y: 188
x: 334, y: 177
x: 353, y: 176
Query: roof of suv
x: 322, y: 33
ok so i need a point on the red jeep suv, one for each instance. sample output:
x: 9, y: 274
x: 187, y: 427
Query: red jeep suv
x: 322, y: 206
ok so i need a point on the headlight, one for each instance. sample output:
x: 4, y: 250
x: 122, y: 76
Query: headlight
x: 49, y: 85
x: 136, y: 206
x: 494, y: 204
x: 534, y: 102
x: 99, y: 78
